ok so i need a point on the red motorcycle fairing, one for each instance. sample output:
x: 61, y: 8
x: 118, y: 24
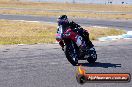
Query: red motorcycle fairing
x: 67, y: 35
x: 64, y: 38
x: 70, y: 35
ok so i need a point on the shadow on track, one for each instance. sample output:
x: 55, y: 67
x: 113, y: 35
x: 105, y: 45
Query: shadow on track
x: 98, y: 64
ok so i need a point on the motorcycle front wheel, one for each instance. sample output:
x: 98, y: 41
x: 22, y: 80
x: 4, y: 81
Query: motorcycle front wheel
x: 71, y: 53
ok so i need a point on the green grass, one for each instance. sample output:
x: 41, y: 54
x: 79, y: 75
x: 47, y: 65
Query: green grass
x: 20, y: 32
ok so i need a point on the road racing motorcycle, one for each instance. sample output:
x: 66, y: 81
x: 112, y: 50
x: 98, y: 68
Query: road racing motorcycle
x: 75, y: 47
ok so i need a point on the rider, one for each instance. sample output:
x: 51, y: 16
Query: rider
x: 65, y: 24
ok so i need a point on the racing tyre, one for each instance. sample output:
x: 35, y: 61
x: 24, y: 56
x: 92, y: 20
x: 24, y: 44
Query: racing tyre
x: 71, y: 53
x: 93, y: 57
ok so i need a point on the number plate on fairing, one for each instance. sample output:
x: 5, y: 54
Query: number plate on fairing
x: 79, y: 41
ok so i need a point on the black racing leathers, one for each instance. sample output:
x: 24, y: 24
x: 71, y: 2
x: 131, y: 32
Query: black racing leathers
x: 77, y: 28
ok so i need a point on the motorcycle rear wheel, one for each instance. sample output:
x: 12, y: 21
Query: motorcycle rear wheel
x: 93, y: 58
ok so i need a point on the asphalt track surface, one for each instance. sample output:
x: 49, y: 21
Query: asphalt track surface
x: 121, y: 24
x: 45, y: 65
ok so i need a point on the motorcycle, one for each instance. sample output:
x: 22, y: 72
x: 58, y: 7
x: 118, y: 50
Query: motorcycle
x: 75, y: 47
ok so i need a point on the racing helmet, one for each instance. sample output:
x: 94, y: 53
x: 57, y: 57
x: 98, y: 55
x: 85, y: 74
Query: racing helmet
x: 62, y: 20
